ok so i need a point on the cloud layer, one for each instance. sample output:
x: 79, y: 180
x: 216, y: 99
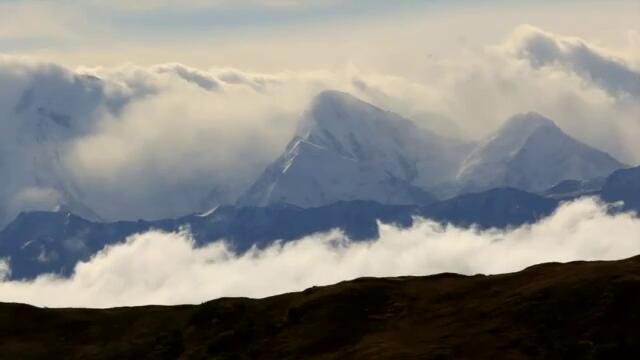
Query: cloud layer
x: 161, y: 268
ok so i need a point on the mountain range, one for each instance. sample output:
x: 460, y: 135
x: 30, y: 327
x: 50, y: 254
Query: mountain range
x: 54, y: 242
x: 349, y: 165
x: 346, y: 149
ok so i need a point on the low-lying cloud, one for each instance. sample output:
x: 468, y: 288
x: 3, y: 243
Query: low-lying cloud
x: 166, y: 268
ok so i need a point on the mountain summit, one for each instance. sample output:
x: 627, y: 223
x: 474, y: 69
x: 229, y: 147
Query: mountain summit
x: 531, y: 152
x: 347, y: 149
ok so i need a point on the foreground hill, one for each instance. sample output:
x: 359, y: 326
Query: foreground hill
x: 582, y: 310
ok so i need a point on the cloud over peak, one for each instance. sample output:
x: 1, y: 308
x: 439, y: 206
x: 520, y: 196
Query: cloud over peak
x: 610, y: 73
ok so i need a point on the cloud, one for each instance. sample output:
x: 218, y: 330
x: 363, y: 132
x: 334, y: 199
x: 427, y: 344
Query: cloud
x: 139, y: 142
x: 541, y: 48
x: 5, y: 270
x: 200, y: 78
x: 198, y: 139
x: 161, y: 268
x: 42, y: 107
x: 35, y: 198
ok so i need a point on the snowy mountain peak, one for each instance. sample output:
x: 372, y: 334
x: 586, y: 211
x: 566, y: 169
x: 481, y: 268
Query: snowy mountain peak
x: 347, y: 149
x: 510, y: 137
x: 531, y: 152
x: 352, y: 127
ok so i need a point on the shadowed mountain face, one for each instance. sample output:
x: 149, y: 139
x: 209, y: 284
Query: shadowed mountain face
x: 624, y: 185
x: 49, y: 242
x: 570, y: 189
x: 498, y: 208
x: 582, y: 310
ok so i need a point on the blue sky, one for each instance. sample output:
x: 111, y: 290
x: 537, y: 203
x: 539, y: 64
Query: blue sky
x: 156, y: 18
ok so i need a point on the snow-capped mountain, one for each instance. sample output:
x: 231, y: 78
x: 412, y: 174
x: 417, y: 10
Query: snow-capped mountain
x: 44, y: 117
x: 46, y: 112
x: 347, y: 149
x: 531, y: 153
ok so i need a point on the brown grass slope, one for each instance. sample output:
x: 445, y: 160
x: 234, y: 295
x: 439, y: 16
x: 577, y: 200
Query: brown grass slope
x: 582, y: 310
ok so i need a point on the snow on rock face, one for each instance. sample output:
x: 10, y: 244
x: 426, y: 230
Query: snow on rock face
x: 346, y: 149
x: 309, y: 175
x: 531, y: 153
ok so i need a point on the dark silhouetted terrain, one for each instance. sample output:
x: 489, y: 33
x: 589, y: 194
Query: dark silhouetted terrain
x: 582, y: 310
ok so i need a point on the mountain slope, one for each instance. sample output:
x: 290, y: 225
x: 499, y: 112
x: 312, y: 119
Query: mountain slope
x: 496, y: 208
x: 346, y: 149
x: 531, y: 153
x: 623, y: 185
x: 581, y: 310
x: 571, y: 189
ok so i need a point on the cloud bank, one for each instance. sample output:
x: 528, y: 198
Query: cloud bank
x: 161, y: 268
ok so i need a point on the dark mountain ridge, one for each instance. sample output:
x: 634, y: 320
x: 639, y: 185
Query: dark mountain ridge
x: 53, y: 242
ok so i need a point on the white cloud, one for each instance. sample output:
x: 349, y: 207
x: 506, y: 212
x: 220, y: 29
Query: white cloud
x: 5, y: 270
x: 541, y: 49
x: 195, y: 76
x: 160, y: 268
x: 135, y: 142
x: 35, y: 198
x: 197, y: 132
